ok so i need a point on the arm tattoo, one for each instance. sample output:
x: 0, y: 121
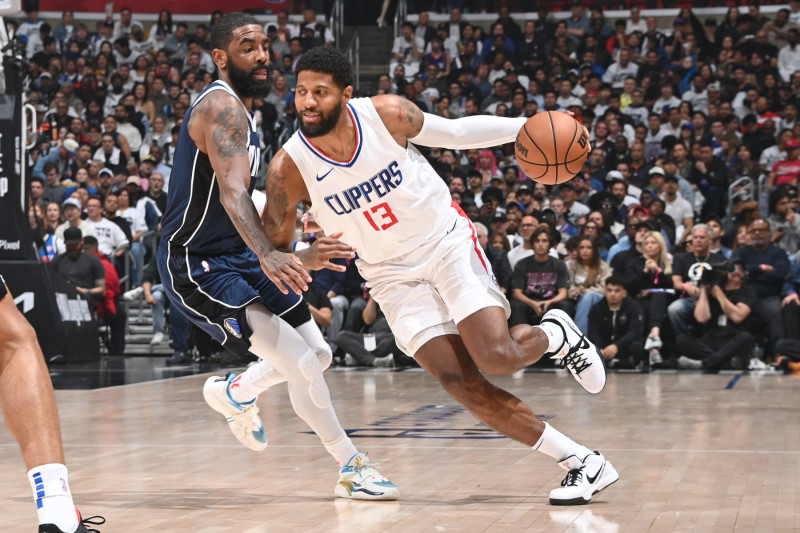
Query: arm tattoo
x: 413, y: 114
x: 231, y: 132
x: 245, y: 219
x: 277, y: 207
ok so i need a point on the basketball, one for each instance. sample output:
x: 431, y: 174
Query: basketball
x: 551, y: 147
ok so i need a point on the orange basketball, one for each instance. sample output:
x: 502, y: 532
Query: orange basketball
x: 551, y: 147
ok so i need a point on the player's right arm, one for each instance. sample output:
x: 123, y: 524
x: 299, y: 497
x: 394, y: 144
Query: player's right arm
x: 219, y: 126
x: 285, y: 188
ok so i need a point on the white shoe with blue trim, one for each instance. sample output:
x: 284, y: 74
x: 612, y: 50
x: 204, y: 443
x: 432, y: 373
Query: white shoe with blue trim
x: 243, y: 419
x: 360, y: 480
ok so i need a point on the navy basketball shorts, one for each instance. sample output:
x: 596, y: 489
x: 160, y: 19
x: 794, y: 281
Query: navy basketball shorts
x: 214, y: 292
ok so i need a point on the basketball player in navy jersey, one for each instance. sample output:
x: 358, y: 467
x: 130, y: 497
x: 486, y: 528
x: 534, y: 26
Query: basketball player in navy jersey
x: 355, y: 165
x: 217, y: 264
x: 29, y: 409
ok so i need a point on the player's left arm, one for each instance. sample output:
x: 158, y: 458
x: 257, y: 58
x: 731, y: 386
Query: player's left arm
x: 285, y: 188
x: 406, y: 122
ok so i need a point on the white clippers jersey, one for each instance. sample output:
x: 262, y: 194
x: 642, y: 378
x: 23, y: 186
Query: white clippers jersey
x: 386, y: 199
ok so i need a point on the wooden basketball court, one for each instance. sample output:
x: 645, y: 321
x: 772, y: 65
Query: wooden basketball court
x: 694, y: 452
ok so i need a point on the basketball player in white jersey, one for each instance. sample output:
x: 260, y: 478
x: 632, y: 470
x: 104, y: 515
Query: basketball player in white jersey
x: 355, y: 165
x: 219, y: 267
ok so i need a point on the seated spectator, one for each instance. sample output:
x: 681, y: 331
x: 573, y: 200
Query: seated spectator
x: 373, y: 348
x: 783, y: 221
x: 497, y: 259
x: 615, y: 326
x: 72, y: 214
x: 687, y: 268
x: 526, y: 227
x: 723, y: 309
x: 539, y: 283
x: 111, y: 239
x: 320, y: 306
x: 331, y: 284
x: 587, y: 276
x: 715, y: 226
x: 407, y: 51
x: 787, y: 171
x: 767, y: 267
x: 679, y: 209
x: 648, y: 278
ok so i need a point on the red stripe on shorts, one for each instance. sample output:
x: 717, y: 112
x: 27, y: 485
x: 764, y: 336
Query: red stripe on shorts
x: 474, y: 235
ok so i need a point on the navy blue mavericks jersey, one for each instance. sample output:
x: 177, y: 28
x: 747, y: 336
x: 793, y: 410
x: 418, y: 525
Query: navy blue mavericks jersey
x: 195, y: 218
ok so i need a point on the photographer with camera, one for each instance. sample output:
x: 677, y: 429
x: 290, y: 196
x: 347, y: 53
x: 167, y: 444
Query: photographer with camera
x: 723, y: 307
x: 767, y: 267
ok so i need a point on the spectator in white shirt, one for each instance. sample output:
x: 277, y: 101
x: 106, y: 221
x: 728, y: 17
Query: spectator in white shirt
x: 697, y: 96
x: 636, y: 22
x: 618, y: 71
x: 789, y: 56
x: 407, y: 51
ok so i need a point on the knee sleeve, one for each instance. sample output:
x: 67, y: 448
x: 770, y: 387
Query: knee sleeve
x: 313, y: 337
x: 311, y: 370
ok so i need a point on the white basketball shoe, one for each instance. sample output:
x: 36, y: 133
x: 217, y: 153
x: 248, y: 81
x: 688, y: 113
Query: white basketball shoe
x: 360, y: 480
x: 243, y: 419
x: 578, y: 354
x: 584, y: 479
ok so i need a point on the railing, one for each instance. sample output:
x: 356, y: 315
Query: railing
x: 353, y: 52
x: 337, y: 21
x: 400, y: 16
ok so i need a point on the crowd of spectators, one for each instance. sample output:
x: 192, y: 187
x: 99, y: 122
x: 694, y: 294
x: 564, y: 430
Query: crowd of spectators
x: 694, y: 169
x: 676, y: 116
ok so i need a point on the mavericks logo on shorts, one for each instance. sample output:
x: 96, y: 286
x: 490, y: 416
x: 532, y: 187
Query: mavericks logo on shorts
x: 232, y: 325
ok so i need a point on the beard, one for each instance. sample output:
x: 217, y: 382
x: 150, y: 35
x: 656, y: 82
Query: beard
x: 243, y: 82
x: 324, y: 126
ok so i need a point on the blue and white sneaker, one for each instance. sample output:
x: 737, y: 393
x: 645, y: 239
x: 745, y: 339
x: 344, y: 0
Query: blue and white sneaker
x: 243, y: 419
x: 360, y: 480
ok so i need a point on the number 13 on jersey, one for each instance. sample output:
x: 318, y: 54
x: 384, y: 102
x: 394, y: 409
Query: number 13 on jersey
x: 383, y: 217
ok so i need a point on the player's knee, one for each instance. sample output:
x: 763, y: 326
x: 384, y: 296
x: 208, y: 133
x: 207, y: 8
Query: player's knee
x: 497, y: 360
x: 324, y: 355
x: 311, y: 370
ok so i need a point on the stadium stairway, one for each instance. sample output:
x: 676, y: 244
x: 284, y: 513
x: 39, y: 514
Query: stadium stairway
x: 375, y: 46
x: 140, y: 331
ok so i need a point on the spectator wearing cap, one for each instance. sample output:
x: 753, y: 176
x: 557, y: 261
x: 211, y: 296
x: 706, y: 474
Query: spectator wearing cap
x: 786, y: 172
x: 61, y: 156
x: 783, y: 221
x: 499, y: 221
x: 84, y: 270
x: 72, y: 214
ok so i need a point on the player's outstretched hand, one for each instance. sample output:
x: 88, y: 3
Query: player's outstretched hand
x: 286, y: 268
x: 319, y: 254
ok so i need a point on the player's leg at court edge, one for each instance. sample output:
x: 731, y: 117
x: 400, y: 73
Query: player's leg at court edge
x: 292, y: 358
x: 29, y: 410
x: 447, y: 359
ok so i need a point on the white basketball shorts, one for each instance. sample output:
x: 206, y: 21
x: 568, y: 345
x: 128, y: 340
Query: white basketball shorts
x: 427, y: 292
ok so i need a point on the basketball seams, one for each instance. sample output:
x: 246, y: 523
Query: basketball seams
x: 574, y: 136
x: 555, y: 143
x: 544, y: 155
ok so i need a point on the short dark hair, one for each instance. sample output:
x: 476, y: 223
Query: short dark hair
x: 539, y: 231
x: 327, y: 60
x: 222, y: 33
x: 615, y: 279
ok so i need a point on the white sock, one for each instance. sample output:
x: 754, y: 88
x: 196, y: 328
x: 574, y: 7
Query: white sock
x: 53, y: 498
x: 254, y: 381
x: 559, y: 446
x: 554, y: 334
x: 342, y: 449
